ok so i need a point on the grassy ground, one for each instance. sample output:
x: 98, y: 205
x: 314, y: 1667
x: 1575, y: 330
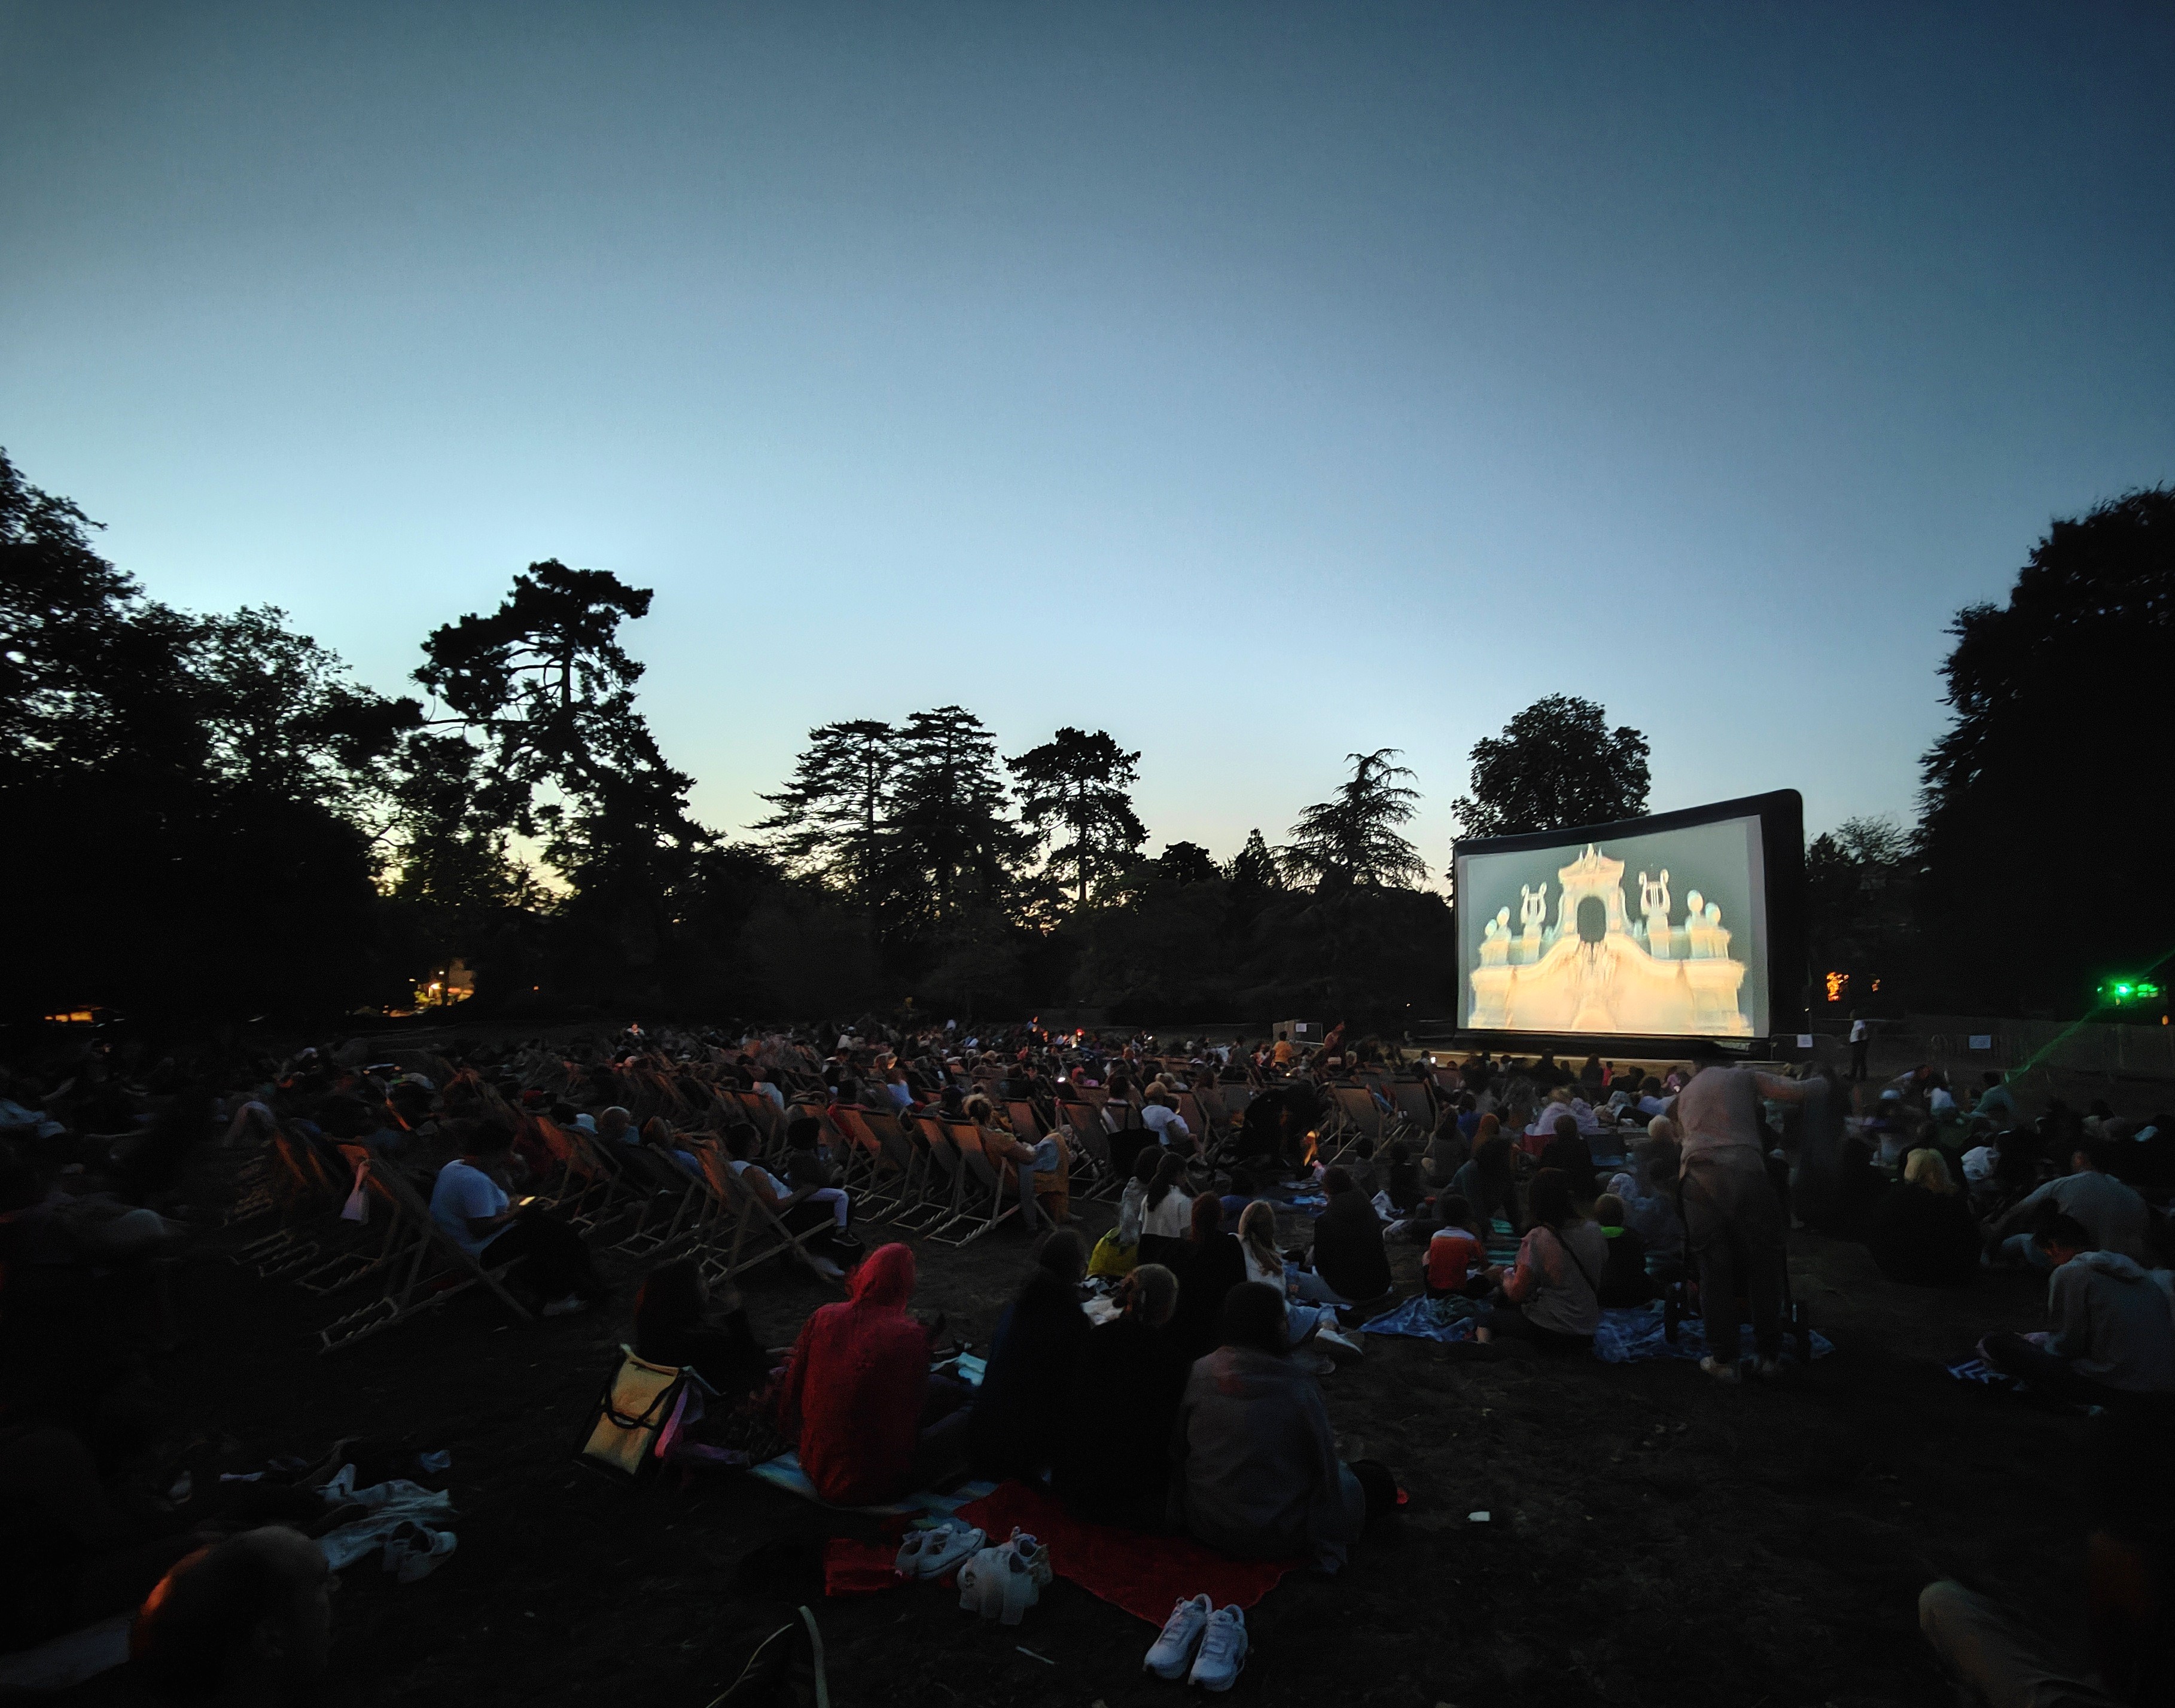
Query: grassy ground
x: 1655, y: 1539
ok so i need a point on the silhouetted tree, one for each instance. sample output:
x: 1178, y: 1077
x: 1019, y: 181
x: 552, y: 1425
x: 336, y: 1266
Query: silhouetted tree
x: 1080, y: 786
x: 1188, y: 863
x: 2047, y: 805
x: 1556, y: 765
x: 834, y: 814
x: 954, y: 849
x: 1353, y: 838
x: 1254, y: 867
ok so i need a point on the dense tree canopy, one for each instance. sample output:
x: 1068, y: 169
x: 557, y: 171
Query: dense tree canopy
x: 2047, y: 796
x: 1075, y: 790
x: 1556, y: 765
x: 1353, y: 836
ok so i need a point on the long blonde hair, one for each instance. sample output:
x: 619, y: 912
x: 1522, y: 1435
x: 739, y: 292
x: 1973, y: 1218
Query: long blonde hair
x: 1257, y: 1233
x: 1928, y: 1168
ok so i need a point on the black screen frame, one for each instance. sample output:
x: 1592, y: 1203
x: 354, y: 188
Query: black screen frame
x: 1781, y: 815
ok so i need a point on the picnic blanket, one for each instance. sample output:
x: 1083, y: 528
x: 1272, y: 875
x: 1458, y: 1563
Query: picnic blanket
x: 1625, y: 1336
x: 1146, y: 1575
x: 784, y: 1472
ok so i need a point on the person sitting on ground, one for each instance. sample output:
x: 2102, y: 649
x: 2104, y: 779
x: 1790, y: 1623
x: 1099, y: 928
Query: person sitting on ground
x: 1118, y: 1251
x: 1457, y: 1251
x: 247, y: 1620
x: 1485, y: 1182
x: 1160, y: 1115
x: 1210, y: 1264
x: 1623, y: 1278
x: 871, y: 1422
x: 1112, y: 1462
x: 468, y: 1204
x: 673, y: 1326
x: 1243, y: 1192
x: 1348, y: 1264
x: 2113, y: 1337
x: 1365, y: 1172
x: 1267, y: 1266
x: 1447, y: 1147
x: 2112, y: 1213
x: 1013, y: 1427
x: 1567, y: 1153
x: 1993, y: 1656
x: 1260, y: 1478
x: 1167, y: 1212
x: 1402, y: 1182
x: 1552, y: 1296
x: 1921, y: 1232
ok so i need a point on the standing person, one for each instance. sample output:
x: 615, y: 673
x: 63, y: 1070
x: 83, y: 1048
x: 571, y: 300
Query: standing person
x: 1861, y: 1040
x: 1734, y: 1226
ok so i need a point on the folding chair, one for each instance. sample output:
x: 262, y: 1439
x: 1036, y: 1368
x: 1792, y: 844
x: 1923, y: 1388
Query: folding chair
x: 865, y: 1164
x: 424, y: 1266
x: 918, y: 1209
x: 982, y: 1183
x: 665, y: 1191
x: 947, y: 1174
x: 1414, y: 1108
x: 1084, y: 1124
x: 758, y: 1233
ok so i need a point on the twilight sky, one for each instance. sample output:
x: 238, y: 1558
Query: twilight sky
x: 1259, y: 383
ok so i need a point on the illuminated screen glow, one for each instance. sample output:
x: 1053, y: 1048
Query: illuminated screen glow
x: 1657, y: 933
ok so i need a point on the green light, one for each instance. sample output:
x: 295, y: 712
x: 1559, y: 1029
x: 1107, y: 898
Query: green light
x: 2121, y: 990
x: 2148, y: 990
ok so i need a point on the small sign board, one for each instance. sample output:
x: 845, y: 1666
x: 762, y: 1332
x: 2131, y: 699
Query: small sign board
x: 1982, y: 1040
x: 1804, y: 1040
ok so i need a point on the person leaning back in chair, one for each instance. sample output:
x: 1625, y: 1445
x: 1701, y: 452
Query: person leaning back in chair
x: 470, y: 1205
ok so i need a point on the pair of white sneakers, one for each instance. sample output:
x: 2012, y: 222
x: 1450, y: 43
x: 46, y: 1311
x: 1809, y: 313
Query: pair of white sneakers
x: 1001, y: 1583
x: 1202, y: 1643
x: 931, y: 1554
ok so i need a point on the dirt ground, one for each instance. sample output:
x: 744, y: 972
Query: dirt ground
x: 1655, y: 1539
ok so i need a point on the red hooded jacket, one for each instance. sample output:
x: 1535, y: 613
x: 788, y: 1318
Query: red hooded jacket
x: 856, y: 1385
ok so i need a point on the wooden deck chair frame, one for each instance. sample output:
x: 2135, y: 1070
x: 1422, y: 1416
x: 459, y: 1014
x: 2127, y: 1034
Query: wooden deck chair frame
x: 671, y: 1196
x: 947, y: 1177
x: 985, y: 1202
x: 1091, y: 1140
x: 412, y: 1284
x: 919, y: 1207
x: 746, y: 1231
x: 868, y: 1165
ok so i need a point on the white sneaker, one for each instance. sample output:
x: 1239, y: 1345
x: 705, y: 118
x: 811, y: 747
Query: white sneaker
x: 1223, y: 1652
x: 1723, y: 1372
x: 572, y: 1305
x: 1172, y: 1652
x: 1000, y: 1583
x: 1338, y: 1337
x: 931, y: 1553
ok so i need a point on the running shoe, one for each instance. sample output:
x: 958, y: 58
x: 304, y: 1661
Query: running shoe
x: 1172, y: 1653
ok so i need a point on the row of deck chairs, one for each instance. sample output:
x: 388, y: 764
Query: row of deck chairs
x: 346, y: 1217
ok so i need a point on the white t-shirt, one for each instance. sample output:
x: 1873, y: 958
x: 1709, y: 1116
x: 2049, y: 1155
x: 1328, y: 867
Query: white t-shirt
x: 1173, y: 1218
x: 778, y: 1188
x: 463, y: 1193
x: 1858, y: 1030
x: 1160, y: 1118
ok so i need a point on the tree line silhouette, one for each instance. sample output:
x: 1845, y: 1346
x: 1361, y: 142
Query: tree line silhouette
x: 212, y: 820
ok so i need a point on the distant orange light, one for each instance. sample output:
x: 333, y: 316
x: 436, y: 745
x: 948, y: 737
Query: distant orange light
x: 1836, y: 983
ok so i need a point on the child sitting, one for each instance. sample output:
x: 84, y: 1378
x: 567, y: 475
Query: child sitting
x: 1456, y: 1254
x: 1404, y: 1188
x: 1623, y: 1277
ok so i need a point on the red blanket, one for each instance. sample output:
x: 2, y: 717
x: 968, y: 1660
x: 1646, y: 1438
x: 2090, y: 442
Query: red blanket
x: 1145, y: 1574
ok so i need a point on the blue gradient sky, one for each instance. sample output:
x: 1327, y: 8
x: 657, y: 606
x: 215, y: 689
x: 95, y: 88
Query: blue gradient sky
x: 1256, y: 383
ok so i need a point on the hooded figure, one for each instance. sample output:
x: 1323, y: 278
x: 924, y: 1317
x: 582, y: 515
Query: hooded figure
x: 857, y: 1383
x: 2112, y: 1323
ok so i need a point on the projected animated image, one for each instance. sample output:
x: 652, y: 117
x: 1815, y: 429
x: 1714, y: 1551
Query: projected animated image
x: 1573, y: 959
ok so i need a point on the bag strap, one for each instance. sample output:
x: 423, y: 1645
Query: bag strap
x: 1577, y: 1263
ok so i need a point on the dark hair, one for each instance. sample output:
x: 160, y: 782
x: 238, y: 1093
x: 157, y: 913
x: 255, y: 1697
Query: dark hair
x: 1400, y: 1152
x: 200, y: 1618
x: 2064, y: 1230
x: 801, y: 1132
x: 1452, y: 1209
x: 1253, y: 1316
x: 1208, y: 1217
x: 742, y: 1138
x: 487, y: 1139
x: 1336, y: 1180
x: 1167, y: 1173
x: 1365, y: 1147
x: 669, y: 1304
x: 1144, y: 1164
x: 1548, y: 1200
x: 1064, y: 1255
x: 1566, y: 1127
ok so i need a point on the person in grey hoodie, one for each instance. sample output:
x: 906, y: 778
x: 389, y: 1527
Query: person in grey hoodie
x: 2113, y: 1334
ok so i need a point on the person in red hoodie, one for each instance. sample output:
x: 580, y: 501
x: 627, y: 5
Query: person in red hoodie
x: 872, y: 1423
